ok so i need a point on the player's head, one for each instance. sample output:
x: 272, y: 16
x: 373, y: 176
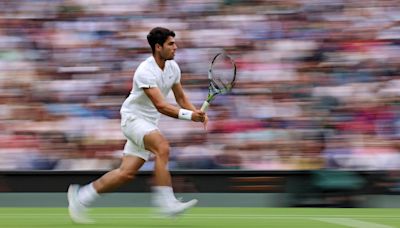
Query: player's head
x: 162, y: 42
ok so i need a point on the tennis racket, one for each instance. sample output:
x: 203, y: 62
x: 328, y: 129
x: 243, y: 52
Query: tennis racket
x: 221, y: 77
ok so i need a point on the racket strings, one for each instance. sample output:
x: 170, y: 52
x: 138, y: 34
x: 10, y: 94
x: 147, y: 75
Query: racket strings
x: 223, y: 72
x: 224, y: 85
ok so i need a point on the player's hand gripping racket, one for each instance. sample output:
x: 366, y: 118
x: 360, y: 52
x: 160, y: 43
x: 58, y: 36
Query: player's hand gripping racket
x: 221, y: 77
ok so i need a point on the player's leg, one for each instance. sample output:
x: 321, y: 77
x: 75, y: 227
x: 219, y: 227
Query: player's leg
x: 163, y: 193
x: 80, y: 198
x: 120, y: 176
x: 159, y: 146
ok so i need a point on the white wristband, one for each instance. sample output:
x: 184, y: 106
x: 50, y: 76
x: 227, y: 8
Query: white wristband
x: 185, y: 114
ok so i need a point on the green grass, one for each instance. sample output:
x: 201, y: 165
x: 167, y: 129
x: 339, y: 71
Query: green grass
x: 208, y: 217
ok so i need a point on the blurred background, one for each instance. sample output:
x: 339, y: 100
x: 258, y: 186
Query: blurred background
x: 318, y: 82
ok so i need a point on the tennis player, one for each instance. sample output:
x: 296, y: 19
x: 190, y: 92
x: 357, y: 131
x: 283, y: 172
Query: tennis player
x: 153, y: 80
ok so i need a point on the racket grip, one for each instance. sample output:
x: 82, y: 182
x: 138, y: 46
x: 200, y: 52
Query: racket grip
x: 204, y: 107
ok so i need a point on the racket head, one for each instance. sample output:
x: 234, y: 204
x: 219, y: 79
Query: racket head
x: 222, y: 74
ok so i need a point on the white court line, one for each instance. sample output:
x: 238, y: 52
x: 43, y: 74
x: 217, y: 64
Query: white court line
x: 352, y: 223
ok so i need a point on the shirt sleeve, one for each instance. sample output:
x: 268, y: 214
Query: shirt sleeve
x: 145, y: 79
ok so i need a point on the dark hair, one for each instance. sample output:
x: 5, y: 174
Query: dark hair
x: 158, y: 35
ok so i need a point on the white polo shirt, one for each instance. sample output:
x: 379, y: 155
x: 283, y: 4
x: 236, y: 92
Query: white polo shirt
x: 149, y: 75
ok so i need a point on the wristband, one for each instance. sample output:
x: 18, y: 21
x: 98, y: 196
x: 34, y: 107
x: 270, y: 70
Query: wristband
x: 185, y: 114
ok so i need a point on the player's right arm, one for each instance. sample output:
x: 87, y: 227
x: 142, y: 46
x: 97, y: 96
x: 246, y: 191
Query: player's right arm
x: 156, y: 97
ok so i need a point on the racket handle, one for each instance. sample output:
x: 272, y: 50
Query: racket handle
x: 204, y: 107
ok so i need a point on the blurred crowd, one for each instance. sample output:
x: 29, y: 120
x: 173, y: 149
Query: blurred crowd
x: 317, y: 83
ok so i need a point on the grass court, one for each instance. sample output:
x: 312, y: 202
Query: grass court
x: 202, y: 217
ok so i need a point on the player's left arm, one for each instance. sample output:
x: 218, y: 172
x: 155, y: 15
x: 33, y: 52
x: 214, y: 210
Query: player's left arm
x: 181, y: 97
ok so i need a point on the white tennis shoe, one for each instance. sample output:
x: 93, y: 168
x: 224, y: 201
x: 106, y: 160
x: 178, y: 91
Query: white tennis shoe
x: 174, y: 208
x: 77, y: 211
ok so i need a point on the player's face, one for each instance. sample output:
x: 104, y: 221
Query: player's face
x: 168, y: 49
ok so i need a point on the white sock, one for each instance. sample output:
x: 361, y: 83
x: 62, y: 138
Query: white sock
x: 165, y: 192
x: 87, y: 194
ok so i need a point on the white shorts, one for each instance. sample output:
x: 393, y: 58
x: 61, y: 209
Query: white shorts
x: 135, y: 129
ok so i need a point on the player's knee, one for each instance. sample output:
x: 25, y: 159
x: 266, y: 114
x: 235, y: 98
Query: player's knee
x: 163, y: 150
x: 126, y: 176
